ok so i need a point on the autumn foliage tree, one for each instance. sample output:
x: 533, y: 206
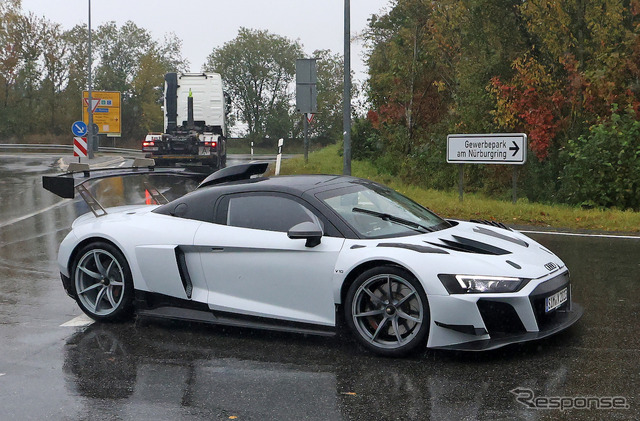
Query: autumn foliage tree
x: 43, y: 71
x: 551, y: 69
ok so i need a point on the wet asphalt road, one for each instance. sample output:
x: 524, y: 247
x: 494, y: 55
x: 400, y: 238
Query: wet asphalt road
x: 168, y: 370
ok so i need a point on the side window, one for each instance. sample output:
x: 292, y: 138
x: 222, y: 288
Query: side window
x: 271, y: 213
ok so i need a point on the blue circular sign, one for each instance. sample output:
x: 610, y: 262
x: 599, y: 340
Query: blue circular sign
x: 79, y: 128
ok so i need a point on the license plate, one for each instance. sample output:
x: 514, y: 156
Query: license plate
x: 556, y: 300
x: 148, y: 149
x: 204, y: 150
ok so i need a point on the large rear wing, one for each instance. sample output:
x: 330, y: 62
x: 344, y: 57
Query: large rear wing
x: 66, y: 185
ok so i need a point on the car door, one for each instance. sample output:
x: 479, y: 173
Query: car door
x: 253, y: 268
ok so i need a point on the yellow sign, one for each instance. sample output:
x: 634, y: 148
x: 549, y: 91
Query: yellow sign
x: 106, y: 111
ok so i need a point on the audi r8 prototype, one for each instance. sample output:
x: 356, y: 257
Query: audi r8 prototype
x: 306, y: 253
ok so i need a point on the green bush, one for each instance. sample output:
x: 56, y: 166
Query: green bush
x: 603, y: 167
x: 365, y: 140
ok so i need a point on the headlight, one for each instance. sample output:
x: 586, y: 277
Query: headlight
x: 478, y: 284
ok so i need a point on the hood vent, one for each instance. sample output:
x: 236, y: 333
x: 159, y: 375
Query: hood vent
x: 482, y: 230
x: 492, y: 223
x: 466, y: 245
x: 414, y: 247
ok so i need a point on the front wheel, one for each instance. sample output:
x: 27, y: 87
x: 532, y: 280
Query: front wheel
x: 387, y: 310
x: 103, y: 282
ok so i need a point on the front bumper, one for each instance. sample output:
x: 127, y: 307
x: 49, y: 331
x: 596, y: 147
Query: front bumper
x: 482, y: 322
x: 564, y: 319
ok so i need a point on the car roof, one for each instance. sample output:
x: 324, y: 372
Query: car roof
x: 200, y: 203
x: 294, y: 184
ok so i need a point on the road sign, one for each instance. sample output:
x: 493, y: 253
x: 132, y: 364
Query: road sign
x: 94, y: 103
x: 501, y: 148
x: 306, y: 90
x: 80, y: 146
x: 106, y: 111
x: 78, y: 128
x: 309, y: 117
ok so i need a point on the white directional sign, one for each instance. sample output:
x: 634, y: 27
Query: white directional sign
x: 502, y: 148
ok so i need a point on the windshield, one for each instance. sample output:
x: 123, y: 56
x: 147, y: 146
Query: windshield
x: 377, y: 212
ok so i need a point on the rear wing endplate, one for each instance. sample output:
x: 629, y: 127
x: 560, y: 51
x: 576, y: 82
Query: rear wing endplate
x: 235, y: 173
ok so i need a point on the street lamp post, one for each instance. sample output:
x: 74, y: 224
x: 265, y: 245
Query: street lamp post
x: 346, y: 100
x: 91, y: 136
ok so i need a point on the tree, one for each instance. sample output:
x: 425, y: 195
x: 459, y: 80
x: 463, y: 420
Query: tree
x: 55, y: 53
x: 401, y: 71
x: 77, y: 41
x: 257, y: 68
x: 132, y: 62
x: 147, y: 93
x: 119, y: 51
x: 327, y: 124
x: 10, y: 47
x: 43, y: 71
x: 607, y: 156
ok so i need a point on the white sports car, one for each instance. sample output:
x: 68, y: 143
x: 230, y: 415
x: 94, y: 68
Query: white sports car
x: 302, y: 253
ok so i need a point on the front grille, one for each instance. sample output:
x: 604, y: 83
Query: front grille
x: 551, y: 266
x: 539, y: 295
x: 500, y: 318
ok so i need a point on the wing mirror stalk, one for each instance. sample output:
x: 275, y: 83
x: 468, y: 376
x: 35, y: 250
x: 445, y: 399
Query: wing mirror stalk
x: 310, y: 231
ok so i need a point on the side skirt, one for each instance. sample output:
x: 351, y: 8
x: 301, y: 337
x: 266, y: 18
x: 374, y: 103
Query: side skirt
x: 164, y: 307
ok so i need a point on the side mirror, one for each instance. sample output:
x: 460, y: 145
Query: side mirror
x: 310, y: 231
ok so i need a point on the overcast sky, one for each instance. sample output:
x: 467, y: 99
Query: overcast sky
x: 205, y: 24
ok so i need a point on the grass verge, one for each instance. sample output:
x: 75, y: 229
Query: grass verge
x: 474, y: 206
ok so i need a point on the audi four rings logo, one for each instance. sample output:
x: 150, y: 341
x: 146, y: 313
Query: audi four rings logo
x: 551, y: 266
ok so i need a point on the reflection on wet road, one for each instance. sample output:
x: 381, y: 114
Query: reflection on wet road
x: 171, y: 370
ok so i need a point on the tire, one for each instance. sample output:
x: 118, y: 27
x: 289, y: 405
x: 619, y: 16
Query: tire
x: 388, y: 324
x: 102, y: 282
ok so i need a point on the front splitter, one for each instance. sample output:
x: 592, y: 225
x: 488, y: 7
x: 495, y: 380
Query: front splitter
x: 488, y: 344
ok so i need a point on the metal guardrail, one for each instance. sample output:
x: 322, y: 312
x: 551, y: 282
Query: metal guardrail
x: 47, y: 147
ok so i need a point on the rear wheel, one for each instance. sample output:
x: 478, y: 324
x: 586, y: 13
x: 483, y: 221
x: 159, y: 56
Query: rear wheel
x: 387, y: 310
x: 103, y: 282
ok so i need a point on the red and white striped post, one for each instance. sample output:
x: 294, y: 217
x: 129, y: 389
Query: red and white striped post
x: 80, y: 147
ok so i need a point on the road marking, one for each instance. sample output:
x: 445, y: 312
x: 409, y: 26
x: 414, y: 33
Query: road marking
x: 80, y: 321
x: 29, y: 215
x: 571, y: 234
x: 2, y: 374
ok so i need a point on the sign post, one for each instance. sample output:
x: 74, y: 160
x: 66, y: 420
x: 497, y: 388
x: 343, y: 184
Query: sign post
x: 306, y: 95
x: 502, y: 148
x: 106, y: 111
x: 79, y: 131
x: 279, y: 156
